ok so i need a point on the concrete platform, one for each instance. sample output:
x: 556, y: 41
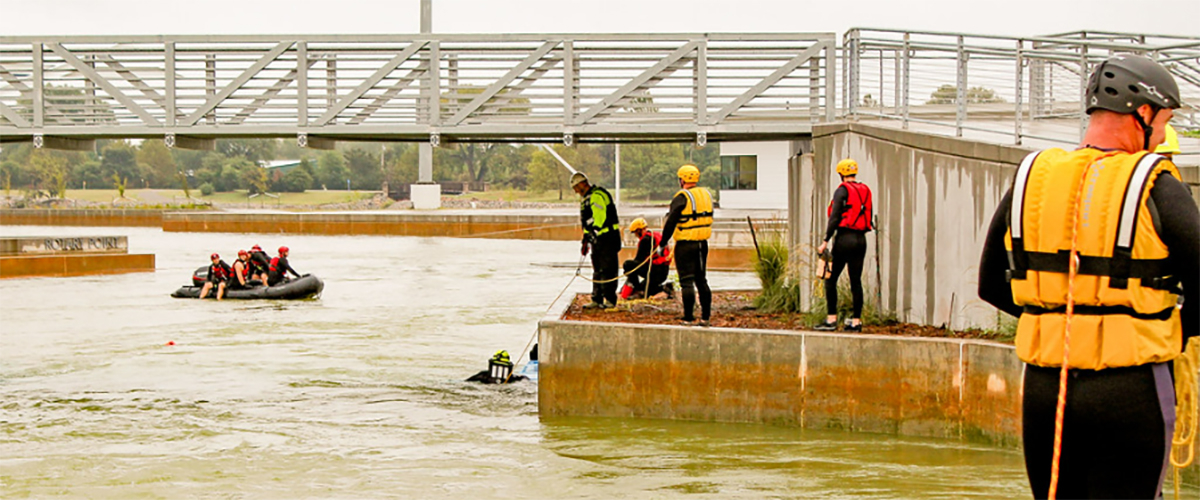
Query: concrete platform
x: 74, y: 265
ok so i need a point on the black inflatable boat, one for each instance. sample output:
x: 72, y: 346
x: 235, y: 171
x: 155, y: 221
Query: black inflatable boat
x: 304, y: 287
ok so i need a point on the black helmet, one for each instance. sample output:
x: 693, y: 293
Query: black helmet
x: 1124, y: 82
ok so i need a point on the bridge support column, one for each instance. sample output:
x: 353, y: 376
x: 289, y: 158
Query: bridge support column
x: 426, y: 194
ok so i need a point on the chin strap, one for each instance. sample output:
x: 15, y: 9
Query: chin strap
x: 1147, y: 130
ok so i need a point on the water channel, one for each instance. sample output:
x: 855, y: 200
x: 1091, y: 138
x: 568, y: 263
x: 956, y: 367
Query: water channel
x: 359, y: 394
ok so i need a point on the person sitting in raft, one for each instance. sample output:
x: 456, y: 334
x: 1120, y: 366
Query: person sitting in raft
x: 499, y: 371
x: 637, y: 268
x: 218, y: 273
x: 260, y: 263
x: 240, y: 276
x: 279, y: 268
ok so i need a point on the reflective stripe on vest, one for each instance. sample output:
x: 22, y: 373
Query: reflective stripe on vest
x: 695, y: 223
x: 1125, y: 312
x: 588, y: 216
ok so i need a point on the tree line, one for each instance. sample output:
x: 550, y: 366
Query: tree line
x: 647, y: 170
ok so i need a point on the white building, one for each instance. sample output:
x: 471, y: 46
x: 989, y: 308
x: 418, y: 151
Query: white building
x: 754, y: 174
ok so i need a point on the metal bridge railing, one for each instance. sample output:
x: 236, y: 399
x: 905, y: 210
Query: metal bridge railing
x: 1015, y: 86
x: 414, y: 87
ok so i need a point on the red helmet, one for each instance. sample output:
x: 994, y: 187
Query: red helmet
x: 283, y: 250
x: 242, y: 252
x: 256, y: 248
x: 214, y: 256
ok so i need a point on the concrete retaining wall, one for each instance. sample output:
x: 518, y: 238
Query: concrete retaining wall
x: 80, y: 217
x: 74, y: 265
x: 934, y: 197
x: 914, y: 387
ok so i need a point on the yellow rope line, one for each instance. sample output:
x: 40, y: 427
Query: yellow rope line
x: 631, y: 271
x: 1187, y: 411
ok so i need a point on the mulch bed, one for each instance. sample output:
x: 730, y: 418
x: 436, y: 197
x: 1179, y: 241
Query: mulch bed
x: 736, y: 310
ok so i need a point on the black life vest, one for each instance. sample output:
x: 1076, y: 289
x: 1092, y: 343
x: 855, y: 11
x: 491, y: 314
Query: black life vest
x: 857, y: 215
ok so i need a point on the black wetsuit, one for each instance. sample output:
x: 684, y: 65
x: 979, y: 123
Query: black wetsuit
x: 260, y: 263
x: 606, y: 246
x: 691, y: 262
x: 279, y: 270
x: 1119, y: 421
x: 637, y: 278
x: 849, y: 249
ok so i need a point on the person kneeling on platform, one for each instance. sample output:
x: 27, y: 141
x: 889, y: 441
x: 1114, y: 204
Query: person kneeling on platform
x: 280, y: 268
x: 636, y: 284
x: 499, y: 371
x: 218, y: 273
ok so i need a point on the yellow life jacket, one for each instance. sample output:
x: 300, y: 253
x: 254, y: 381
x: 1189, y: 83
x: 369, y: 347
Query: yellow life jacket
x: 696, y: 222
x: 1125, y: 307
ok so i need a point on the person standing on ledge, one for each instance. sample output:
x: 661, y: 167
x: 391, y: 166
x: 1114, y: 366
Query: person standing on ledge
x: 1092, y: 248
x: 602, y: 237
x: 849, y: 214
x: 690, y: 223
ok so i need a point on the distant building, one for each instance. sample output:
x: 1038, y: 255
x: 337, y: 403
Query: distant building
x: 279, y: 167
x: 754, y: 174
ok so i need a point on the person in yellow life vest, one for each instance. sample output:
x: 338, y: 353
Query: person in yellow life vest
x: 690, y: 223
x: 1091, y: 248
x: 1170, y: 146
x: 647, y: 271
x: 601, y: 236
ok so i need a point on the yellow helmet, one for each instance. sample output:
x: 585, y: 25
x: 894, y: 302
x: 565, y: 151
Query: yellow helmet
x: 1171, y: 144
x: 638, y: 223
x: 847, y: 167
x: 689, y: 173
x: 501, y: 356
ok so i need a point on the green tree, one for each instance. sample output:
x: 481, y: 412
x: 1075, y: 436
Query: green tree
x: 51, y: 172
x: 295, y: 181
x: 119, y: 159
x: 255, y: 150
x: 119, y: 182
x: 365, y: 171
x: 331, y: 170
x: 255, y: 179
x: 157, y: 163
x: 948, y: 94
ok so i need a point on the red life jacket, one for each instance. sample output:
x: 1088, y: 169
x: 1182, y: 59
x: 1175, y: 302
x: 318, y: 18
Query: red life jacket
x: 274, y: 264
x: 245, y: 268
x: 666, y: 256
x: 858, y: 207
x: 218, y: 270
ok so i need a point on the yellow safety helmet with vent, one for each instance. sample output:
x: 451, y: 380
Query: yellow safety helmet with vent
x: 689, y: 173
x: 847, y: 167
x: 638, y: 223
x: 1171, y: 144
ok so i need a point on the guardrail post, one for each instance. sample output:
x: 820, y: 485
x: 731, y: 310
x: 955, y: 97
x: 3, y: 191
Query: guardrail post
x: 960, y: 98
x: 169, y: 67
x: 39, y: 88
x: 905, y: 76
x: 700, y: 82
x: 1018, y: 89
x: 302, y: 83
x: 853, y: 70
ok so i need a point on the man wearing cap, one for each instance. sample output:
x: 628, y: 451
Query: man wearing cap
x: 601, y: 236
x: 1092, y: 249
x: 218, y: 273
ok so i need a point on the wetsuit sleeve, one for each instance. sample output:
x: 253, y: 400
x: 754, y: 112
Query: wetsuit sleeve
x: 677, y: 205
x: 1180, y: 221
x: 645, y: 248
x: 994, y: 287
x: 839, y: 207
x: 287, y: 266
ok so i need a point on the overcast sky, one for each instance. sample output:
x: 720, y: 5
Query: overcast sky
x: 1001, y: 17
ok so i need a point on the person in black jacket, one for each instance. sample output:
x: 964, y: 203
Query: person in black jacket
x: 849, y: 221
x: 601, y: 236
x: 260, y: 264
x: 218, y: 273
x: 279, y: 268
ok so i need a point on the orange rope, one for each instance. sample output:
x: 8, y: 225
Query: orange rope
x: 1072, y: 270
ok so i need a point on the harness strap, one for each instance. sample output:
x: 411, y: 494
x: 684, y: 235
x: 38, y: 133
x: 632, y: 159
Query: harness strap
x: 1018, y: 262
x: 1162, y: 315
x: 1127, y: 224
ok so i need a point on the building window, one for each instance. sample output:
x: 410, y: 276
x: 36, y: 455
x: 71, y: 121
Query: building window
x: 739, y: 172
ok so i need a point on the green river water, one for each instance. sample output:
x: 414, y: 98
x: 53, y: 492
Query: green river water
x: 360, y: 395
